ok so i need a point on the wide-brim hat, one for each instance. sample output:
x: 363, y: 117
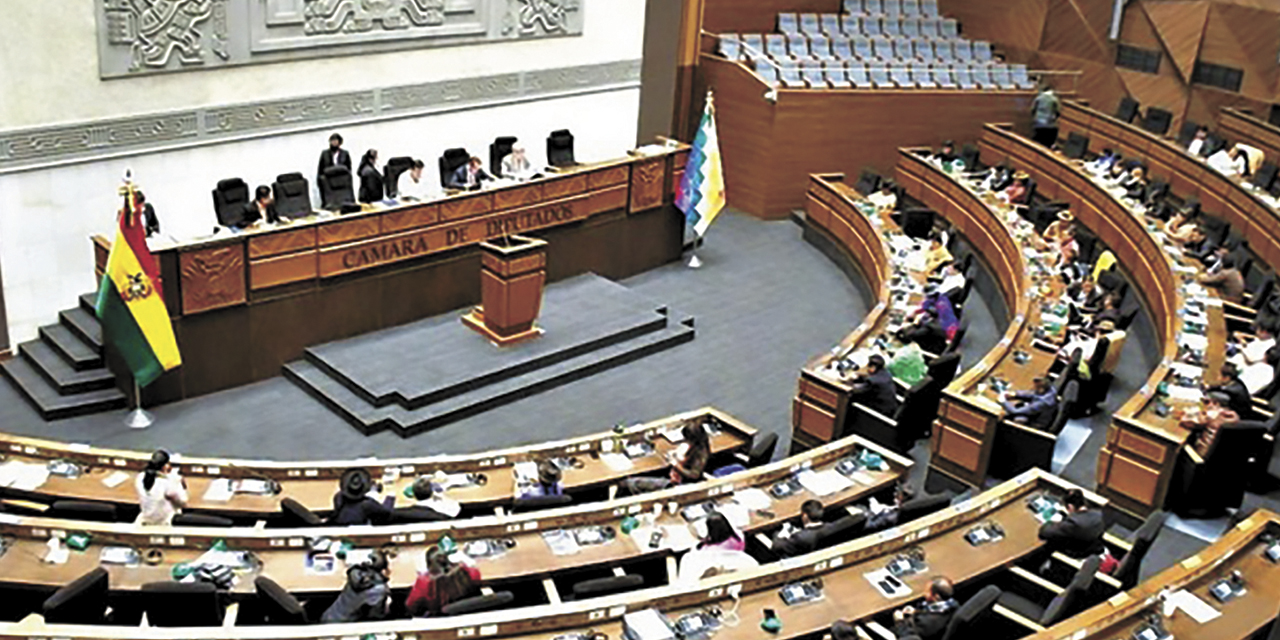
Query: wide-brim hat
x: 1066, y: 216
x: 355, y: 483
x: 1021, y: 175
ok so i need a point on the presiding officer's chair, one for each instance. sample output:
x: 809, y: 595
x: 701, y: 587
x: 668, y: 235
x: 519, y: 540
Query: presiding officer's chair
x: 336, y: 188
x: 560, y: 149
x: 449, y: 163
x: 292, y: 194
x: 498, y: 149
x: 391, y: 173
x: 229, y: 198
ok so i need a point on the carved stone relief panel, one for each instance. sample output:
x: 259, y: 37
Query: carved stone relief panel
x: 137, y: 37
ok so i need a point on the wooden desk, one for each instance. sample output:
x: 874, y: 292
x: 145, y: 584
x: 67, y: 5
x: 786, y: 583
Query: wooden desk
x: 1235, y: 124
x: 313, y: 483
x: 847, y: 593
x: 244, y: 304
x: 283, y: 554
x: 1239, y: 550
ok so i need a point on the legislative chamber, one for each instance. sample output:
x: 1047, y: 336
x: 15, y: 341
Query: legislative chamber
x: 640, y: 320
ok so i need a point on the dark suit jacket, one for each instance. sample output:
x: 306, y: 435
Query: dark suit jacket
x: 930, y: 336
x: 877, y: 392
x: 326, y: 160
x: 149, y: 219
x: 1078, y: 535
x: 926, y: 624
x: 363, y: 511
x: 370, y: 184
x: 252, y: 215
x: 1240, y: 402
x: 416, y: 513
x: 798, y: 543
x: 459, y: 178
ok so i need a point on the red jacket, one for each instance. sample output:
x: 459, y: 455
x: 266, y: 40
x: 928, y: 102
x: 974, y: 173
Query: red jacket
x: 422, y: 598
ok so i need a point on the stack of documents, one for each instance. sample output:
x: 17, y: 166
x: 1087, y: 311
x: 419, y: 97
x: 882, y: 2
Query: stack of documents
x: 23, y: 476
x: 823, y: 483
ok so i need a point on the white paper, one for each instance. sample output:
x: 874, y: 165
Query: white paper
x: 822, y: 483
x: 737, y: 515
x: 526, y: 471
x: 219, y: 491
x: 1193, y: 341
x: 674, y: 435
x: 874, y: 577
x: 675, y: 537
x: 752, y: 498
x: 441, y: 504
x: 616, y: 461
x: 1186, y: 394
x: 1189, y: 371
x: 255, y: 486
x: 1192, y: 605
x: 115, y: 479
x: 862, y: 477
x: 561, y: 542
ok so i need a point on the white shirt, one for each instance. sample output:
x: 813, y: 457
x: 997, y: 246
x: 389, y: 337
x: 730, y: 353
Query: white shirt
x: 951, y: 282
x: 1254, y: 352
x: 1257, y: 376
x: 1195, y: 147
x: 160, y: 503
x: 1222, y: 163
x: 881, y: 200
x: 407, y: 187
x: 516, y: 169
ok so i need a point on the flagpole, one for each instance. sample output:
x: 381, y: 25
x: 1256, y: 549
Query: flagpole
x: 694, y: 262
x: 139, y: 418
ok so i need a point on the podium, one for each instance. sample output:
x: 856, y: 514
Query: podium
x: 512, y: 276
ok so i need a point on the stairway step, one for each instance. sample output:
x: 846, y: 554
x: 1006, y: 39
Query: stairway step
x: 84, y: 324
x: 60, y: 374
x: 78, y: 353
x: 48, y: 402
x: 89, y: 302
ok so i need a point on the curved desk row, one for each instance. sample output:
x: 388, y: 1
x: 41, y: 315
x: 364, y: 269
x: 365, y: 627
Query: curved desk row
x: 284, y: 553
x: 847, y: 594
x: 1245, y: 127
x: 107, y: 475
x: 1137, y: 463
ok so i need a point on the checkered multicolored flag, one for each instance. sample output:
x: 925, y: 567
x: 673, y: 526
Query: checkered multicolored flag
x: 701, y: 195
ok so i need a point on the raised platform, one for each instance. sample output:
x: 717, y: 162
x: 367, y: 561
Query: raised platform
x: 429, y: 373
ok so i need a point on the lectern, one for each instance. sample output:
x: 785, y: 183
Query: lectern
x: 512, y: 275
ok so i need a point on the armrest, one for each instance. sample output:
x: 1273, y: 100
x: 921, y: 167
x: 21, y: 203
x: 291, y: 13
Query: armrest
x: 1191, y: 453
x: 1036, y: 580
x: 765, y: 541
x: 1018, y: 619
x: 880, y: 630
x: 875, y: 414
x: 229, y: 618
x: 1117, y: 542
x: 1239, y: 309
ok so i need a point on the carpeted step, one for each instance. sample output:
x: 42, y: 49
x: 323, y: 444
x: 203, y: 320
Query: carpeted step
x: 84, y: 324
x: 78, y: 353
x: 48, y: 402
x: 60, y: 374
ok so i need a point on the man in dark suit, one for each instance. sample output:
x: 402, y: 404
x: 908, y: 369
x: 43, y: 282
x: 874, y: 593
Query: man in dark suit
x: 874, y: 388
x: 469, y: 175
x: 927, y: 331
x: 930, y: 619
x: 424, y: 507
x: 262, y: 207
x: 790, y: 542
x: 1079, y: 533
x: 335, y: 155
x: 1238, y: 399
x: 149, y: 219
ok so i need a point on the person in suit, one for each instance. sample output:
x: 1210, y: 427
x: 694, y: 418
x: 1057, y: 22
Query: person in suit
x: 352, y: 504
x: 1228, y: 281
x: 469, y: 175
x: 1135, y: 184
x: 367, y: 594
x: 882, y: 516
x: 426, y: 506
x: 1108, y: 311
x: 149, y: 219
x: 925, y: 330
x: 334, y: 156
x: 548, y: 483
x: 1034, y: 408
x: 263, y: 207
x: 370, y: 177
x: 1079, y: 533
x: 874, y: 388
x: 516, y: 165
x: 790, y: 541
x: 1238, y: 397
x: 947, y: 153
x: 930, y: 619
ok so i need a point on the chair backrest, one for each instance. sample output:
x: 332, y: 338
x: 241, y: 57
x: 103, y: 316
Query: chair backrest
x: 560, y: 148
x: 478, y: 603
x: 753, y: 45
x: 872, y: 6
x: 911, y: 27
x: 499, y: 149
x: 942, y: 77
x: 964, y: 78
x: 1127, y: 110
x: 820, y: 47
x: 880, y: 76
x: 607, y: 586
x: 841, y: 47
x: 1000, y: 74
x: 798, y: 46
x: 767, y: 71
x: 929, y: 27
x: 902, y: 49
x: 901, y: 77
x: 296, y: 515
x: 1266, y: 175
x: 862, y: 47
x: 182, y: 604
x: 921, y: 76
x: 788, y: 23
x: 534, y: 503
x: 82, y: 510
x: 834, y: 74
x: 1187, y: 132
x: 982, y: 51
x: 858, y: 75
x: 81, y: 601
x: 809, y: 24
x: 762, y: 449
x: 871, y: 25
x: 851, y: 25
x: 729, y: 46
x: 929, y: 7
x: 1068, y: 603
x: 229, y: 198
x: 921, y: 506
x: 943, y: 368
x: 1262, y: 293
x: 949, y: 28
x: 279, y: 606
x: 964, y: 50
x: 923, y: 49
x: 840, y: 531
x: 336, y: 188
x: 1130, y: 566
x: 891, y: 26
x: 391, y: 173
x: 791, y: 76
x: 891, y: 7
x: 449, y: 162
x: 201, y: 520
x: 852, y: 6
x: 1157, y: 120
x: 776, y: 46
x: 831, y: 24
x: 292, y: 194
x: 911, y: 7
x: 971, y: 612
x: 1075, y: 146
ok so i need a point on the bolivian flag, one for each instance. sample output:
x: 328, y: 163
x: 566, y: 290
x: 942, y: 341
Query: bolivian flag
x: 130, y: 304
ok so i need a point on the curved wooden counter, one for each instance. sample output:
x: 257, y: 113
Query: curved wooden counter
x: 313, y: 483
x: 1245, y: 127
x: 847, y: 594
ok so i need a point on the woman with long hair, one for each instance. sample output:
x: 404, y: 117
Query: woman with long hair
x: 721, y: 535
x: 162, y: 493
x: 687, y: 462
x: 370, y: 178
x: 443, y: 582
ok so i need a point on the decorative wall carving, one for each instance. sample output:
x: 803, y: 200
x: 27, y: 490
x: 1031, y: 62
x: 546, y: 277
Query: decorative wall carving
x: 212, y: 278
x: 646, y: 183
x: 24, y: 149
x: 136, y: 37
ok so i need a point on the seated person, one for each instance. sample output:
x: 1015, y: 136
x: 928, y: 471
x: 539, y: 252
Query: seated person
x: 1019, y: 192
x: 1086, y: 340
x: 884, y: 199
x: 469, y: 175
x: 1068, y: 249
x: 444, y: 582
x: 1053, y: 233
x: 1184, y: 227
x: 1115, y: 174
x: 1229, y: 162
x: 516, y: 165
x: 937, y: 255
x: 1253, y: 348
x: 1000, y: 177
x: 1205, y: 421
x: 367, y: 594
x: 1108, y: 311
x: 951, y: 281
x: 874, y: 388
x: 548, y: 483
x: 882, y: 516
x: 1135, y: 184
x: 411, y: 186
x: 790, y: 541
x: 1034, y: 408
x: 687, y: 464
x: 844, y: 630
x: 929, y: 620
x: 940, y: 304
x: 1259, y: 375
x: 354, y: 504
x: 947, y: 153
x: 1197, y: 142
x: 1086, y: 296
x: 926, y: 331
x: 1228, y: 281
x: 1079, y: 533
x: 721, y: 550
x: 263, y: 207
x: 1234, y: 389
x: 427, y: 506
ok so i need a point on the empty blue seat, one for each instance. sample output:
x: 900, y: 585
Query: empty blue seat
x: 809, y: 24
x: 820, y: 47
x: 982, y: 77
x: 928, y: 27
x: 859, y: 77
x: 841, y: 48
x: 964, y: 52
x: 853, y: 6
x: 982, y: 51
x: 902, y: 77
x: 902, y: 49
x: 1018, y: 72
x: 752, y: 45
x: 964, y: 79
x: 911, y: 27
x: 862, y: 48
x: 923, y: 50
x: 835, y: 75
x: 942, y: 50
x: 788, y: 23
x: 811, y: 71
x: 891, y: 7
x: 831, y: 24
x: 851, y: 25
x: 891, y: 26
x: 776, y: 46
x: 942, y: 78
x: 767, y: 71
x: 871, y: 25
x: 882, y: 47
x: 922, y: 78
x: 1000, y: 74
x: 728, y: 46
x: 949, y: 28
x: 872, y: 7
x: 929, y: 8
x: 790, y: 76
x: 798, y: 46
x: 910, y: 7
x: 880, y: 78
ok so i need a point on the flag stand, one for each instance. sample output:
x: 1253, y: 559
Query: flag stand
x: 139, y: 418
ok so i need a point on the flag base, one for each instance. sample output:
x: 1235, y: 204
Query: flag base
x: 694, y: 261
x: 139, y: 419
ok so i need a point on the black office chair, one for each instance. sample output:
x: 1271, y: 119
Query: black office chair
x: 762, y: 449
x: 969, y: 155
x: 1075, y: 146
x: 292, y: 194
x: 917, y: 223
x: 1208, y: 487
x: 899, y: 431
x: 843, y: 530
x: 82, y: 510
x: 943, y: 368
x: 560, y: 149
x: 415, y: 515
x: 868, y: 182
x: 337, y: 190
x: 449, y: 163
x: 599, y: 587
x: 534, y: 503
x: 391, y: 173
x: 1157, y: 121
x: 182, y: 604
x: 1266, y: 175
x: 1187, y: 133
x: 279, y: 607
x: 476, y: 604
x: 971, y: 613
x: 1019, y: 447
x: 1213, y: 142
x: 1070, y: 601
x: 201, y: 520
x: 295, y: 515
x: 499, y: 149
x: 1129, y: 570
x: 82, y: 601
x: 1128, y: 109
x: 229, y: 199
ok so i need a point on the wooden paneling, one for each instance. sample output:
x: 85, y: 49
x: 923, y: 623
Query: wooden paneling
x: 1133, y: 478
x: 1071, y: 29
x: 1247, y: 39
x: 466, y: 206
x: 647, y: 186
x: 365, y: 226
x: 1179, y: 27
x: 757, y: 16
x: 812, y: 419
x: 277, y: 243
x: 1015, y: 25
x: 213, y: 278
x: 960, y: 448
